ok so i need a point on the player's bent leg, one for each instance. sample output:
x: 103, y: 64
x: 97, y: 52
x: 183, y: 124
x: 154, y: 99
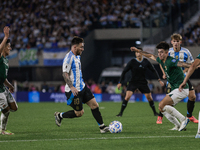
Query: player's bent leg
x: 97, y: 115
x: 13, y: 106
x: 190, y: 106
x: 164, y: 102
x: 4, y: 120
x: 151, y: 103
x: 69, y: 114
x: 125, y: 102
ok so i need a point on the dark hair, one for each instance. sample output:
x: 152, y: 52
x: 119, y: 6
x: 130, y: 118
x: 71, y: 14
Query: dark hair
x: 76, y: 40
x: 163, y: 45
x: 8, y: 41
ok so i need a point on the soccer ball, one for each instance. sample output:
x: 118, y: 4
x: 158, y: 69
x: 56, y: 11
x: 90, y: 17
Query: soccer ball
x: 115, y: 127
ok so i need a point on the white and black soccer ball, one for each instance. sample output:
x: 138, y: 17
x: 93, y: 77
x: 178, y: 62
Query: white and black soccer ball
x: 115, y: 127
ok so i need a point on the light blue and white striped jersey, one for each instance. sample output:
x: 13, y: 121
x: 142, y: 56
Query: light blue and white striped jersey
x: 183, y: 55
x: 72, y: 65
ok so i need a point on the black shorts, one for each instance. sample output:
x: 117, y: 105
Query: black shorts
x: 144, y: 88
x: 76, y: 102
x: 190, y: 85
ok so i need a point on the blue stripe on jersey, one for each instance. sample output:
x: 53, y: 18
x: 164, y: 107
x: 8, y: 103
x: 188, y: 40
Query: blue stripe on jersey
x: 176, y: 55
x: 74, y: 72
x: 69, y: 101
x: 185, y: 57
x: 69, y: 57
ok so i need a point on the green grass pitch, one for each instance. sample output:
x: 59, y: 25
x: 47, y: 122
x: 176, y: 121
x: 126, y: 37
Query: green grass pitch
x: 35, y: 129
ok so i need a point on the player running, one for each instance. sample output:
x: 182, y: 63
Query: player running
x: 75, y: 90
x: 7, y: 102
x: 138, y: 67
x: 175, y: 76
x: 182, y: 54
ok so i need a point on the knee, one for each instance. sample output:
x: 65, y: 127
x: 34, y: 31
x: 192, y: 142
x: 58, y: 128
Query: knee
x: 160, y: 107
x: 149, y: 98
x: 192, y: 97
x: 79, y: 113
x: 127, y: 98
x: 94, y: 106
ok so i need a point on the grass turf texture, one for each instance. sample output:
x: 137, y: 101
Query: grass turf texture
x: 34, y: 127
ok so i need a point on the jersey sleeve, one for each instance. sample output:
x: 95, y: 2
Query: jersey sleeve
x: 151, y: 67
x: 67, y: 63
x: 158, y: 60
x: 198, y: 57
x: 126, y: 69
x: 190, y: 58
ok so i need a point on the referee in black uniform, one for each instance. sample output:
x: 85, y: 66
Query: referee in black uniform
x: 138, y: 81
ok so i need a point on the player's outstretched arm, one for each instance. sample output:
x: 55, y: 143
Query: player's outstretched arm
x: 146, y: 54
x: 69, y: 83
x: 191, y: 70
x: 6, y: 33
x: 9, y: 85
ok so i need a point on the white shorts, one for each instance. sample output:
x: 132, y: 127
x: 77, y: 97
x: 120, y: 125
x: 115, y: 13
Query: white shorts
x: 5, y: 98
x: 177, y: 96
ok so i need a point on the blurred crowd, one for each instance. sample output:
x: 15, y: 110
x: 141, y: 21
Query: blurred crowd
x: 52, y: 23
x: 191, y: 36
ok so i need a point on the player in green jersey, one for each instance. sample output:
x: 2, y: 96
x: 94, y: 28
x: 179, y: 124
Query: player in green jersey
x: 7, y: 102
x: 175, y: 77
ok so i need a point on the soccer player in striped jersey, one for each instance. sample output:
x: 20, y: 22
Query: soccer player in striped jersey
x: 7, y: 102
x: 76, y: 91
x: 182, y: 54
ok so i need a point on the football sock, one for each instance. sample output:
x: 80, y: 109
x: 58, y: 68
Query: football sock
x: 97, y: 115
x: 124, y: 104
x: 68, y: 114
x: 172, y: 111
x: 190, y: 108
x: 151, y: 103
x: 4, y: 120
x: 160, y: 114
x: 171, y: 118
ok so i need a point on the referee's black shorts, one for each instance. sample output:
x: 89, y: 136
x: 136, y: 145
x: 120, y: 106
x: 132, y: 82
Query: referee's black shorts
x: 143, y: 88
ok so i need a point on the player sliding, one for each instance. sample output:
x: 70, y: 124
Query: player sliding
x: 138, y: 67
x: 175, y: 77
x: 75, y: 90
x: 7, y: 102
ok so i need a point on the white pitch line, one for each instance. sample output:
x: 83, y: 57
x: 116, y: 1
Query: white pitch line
x: 103, y: 138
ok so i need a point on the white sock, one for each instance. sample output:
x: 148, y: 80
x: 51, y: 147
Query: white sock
x: 4, y: 120
x: 171, y: 110
x: 101, y: 125
x: 171, y: 118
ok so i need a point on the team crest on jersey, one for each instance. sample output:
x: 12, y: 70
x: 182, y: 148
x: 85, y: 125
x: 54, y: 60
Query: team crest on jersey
x: 173, y: 60
x: 176, y: 57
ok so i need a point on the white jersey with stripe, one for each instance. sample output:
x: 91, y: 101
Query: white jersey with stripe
x: 183, y: 55
x: 72, y: 65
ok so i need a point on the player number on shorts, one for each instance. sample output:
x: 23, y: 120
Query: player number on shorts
x: 76, y: 101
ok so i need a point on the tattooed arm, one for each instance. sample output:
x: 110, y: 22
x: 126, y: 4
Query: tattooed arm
x: 69, y: 83
x: 183, y: 64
